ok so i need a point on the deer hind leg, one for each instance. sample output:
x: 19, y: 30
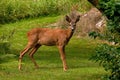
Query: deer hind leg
x: 63, y: 57
x: 22, y: 53
x: 34, y: 49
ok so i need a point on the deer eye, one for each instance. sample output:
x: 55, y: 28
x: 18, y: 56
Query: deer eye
x: 74, y: 24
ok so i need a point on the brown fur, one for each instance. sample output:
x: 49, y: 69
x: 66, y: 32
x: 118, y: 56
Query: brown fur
x: 51, y: 36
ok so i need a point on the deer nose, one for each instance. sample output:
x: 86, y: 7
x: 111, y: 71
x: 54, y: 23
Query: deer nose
x: 73, y: 25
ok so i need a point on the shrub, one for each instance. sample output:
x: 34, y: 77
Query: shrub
x: 13, y: 10
x: 111, y: 9
x: 109, y: 57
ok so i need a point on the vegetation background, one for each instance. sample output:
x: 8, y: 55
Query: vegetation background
x: 19, y: 16
x: 108, y: 55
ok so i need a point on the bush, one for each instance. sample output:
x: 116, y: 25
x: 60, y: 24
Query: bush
x: 109, y: 57
x: 13, y: 10
x: 111, y: 9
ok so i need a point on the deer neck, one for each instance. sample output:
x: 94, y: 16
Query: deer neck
x: 70, y: 32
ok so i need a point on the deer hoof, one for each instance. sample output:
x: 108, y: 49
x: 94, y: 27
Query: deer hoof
x: 19, y: 68
x: 65, y: 69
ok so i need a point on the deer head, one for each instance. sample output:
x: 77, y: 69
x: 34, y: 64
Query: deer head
x: 72, y: 22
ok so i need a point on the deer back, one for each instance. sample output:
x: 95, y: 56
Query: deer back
x: 49, y: 37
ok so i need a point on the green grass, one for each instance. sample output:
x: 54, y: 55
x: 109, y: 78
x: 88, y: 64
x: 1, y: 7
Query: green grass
x: 23, y: 26
x: 14, y: 10
x: 78, y: 52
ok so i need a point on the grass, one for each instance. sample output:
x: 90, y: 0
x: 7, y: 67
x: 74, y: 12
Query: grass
x: 78, y: 52
x: 14, y: 10
x: 23, y: 26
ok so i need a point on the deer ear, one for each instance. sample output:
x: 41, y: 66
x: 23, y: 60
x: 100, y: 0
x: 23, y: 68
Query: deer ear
x: 78, y: 18
x: 68, y: 18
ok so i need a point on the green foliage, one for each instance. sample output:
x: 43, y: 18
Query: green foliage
x: 13, y: 10
x: 111, y: 9
x: 5, y: 50
x: 94, y: 34
x: 109, y: 57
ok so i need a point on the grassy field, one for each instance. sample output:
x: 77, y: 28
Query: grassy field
x: 78, y: 52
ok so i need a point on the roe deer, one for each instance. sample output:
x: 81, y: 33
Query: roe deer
x: 50, y: 37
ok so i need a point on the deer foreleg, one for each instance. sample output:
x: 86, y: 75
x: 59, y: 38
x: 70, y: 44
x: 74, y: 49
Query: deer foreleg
x: 22, y: 53
x: 21, y: 56
x: 63, y: 57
